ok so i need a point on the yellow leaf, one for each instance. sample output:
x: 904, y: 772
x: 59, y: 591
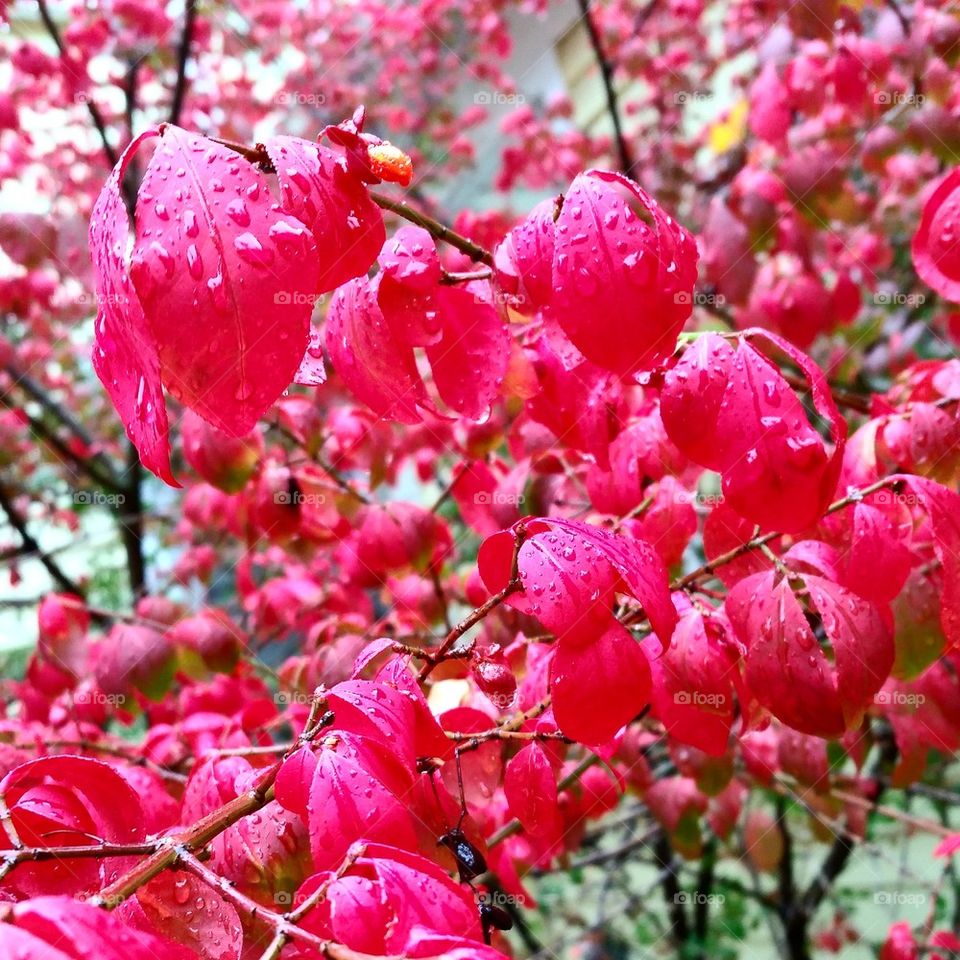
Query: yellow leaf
x: 729, y: 132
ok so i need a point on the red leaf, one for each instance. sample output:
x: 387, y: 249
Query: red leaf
x: 67, y: 801
x: 873, y: 536
x: 600, y: 686
x: 344, y: 802
x: 936, y: 253
x: 186, y: 910
x: 694, y: 682
x: 572, y: 403
x: 788, y: 670
x: 317, y: 189
x: 571, y: 571
x: 530, y: 785
x: 524, y: 260
x: 737, y: 414
x: 623, y: 281
x: 693, y: 392
x: 470, y: 361
x: 50, y: 928
x: 211, y: 243
x: 943, y: 507
x: 387, y: 895
x: 124, y: 350
x: 379, y: 369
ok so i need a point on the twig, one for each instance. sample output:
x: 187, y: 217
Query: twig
x: 183, y: 56
x: 19, y: 523
x: 606, y: 74
x: 514, y: 585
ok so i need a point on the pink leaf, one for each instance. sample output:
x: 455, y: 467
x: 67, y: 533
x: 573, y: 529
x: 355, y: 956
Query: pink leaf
x: 776, y: 469
x: 311, y: 372
x: 50, y: 928
x: 470, y: 361
x: 821, y: 690
x: 211, y: 244
x: 344, y: 802
x: 524, y: 260
x: 600, y: 686
x: 124, y: 350
x: 769, y: 106
x: 936, y: 254
x: 623, y: 280
x: 377, y: 367
x: 530, y: 785
x: 693, y: 392
x: 874, y: 536
x: 318, y: 190
x: 694, y: 682
x: 571, y: 571
x: 64, y: 801
x: 189, y: 912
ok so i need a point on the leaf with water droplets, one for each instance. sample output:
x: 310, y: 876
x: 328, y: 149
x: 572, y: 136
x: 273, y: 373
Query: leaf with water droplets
x: 936, y: 244
x: 571, y: 572
x: 599, y: 687
x: 815, y: 669
x: 61, y: 928
x: 226, y: 280
x: 524, y: 260
x: 188, y: 911
x: 377, y: 367
x: 623, y: 273
x: 734, y: 412
x: 317, y: 188
x: 124, y: 350
x: 530, y: 786
x: 311, y: 372
x: 385, y: 897
x: 470, y: 361
x: 67, y: 801
x: 694, y: 682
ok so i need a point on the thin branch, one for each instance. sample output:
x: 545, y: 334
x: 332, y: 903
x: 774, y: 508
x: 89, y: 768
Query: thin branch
x: 606, y: 74
x: 183, y: 56
x: 19, y: 523
x: 95, y: 115
x: 514, y: 585
x: 755, y: 543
